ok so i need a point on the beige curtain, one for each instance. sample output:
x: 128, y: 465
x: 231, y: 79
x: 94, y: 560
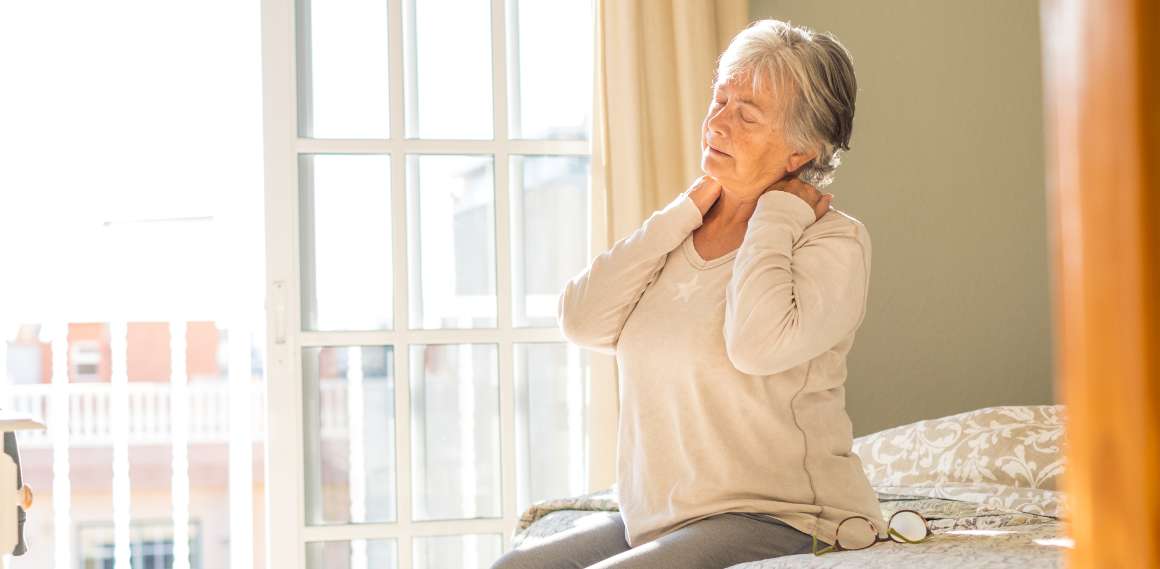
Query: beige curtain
x: 654, y: 71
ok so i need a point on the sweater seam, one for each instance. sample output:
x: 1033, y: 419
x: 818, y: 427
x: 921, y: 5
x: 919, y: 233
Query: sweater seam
x: 805, y: 443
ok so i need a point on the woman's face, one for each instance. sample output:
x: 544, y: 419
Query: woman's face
x: 743, y: 144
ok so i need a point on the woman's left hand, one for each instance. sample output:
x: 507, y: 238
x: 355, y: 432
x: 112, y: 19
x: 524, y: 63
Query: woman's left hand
x: 809, y: 194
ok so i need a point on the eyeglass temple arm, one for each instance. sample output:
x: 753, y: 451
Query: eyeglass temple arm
x: 903, y: 538
x: 825, y: 549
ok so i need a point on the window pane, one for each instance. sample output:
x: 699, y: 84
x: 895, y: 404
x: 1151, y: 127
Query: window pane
x: 477, y: 551
x: 150, y: 546
x: 357, y: 554
x: 449, y: 71
x: 452, y: 241
x: 343, y: 81
x: 346, y: 242
x: 349, y: 416
x: 551, y: 420
x: 455, y: 439
x: 553, y: 98
x: 549, y: 232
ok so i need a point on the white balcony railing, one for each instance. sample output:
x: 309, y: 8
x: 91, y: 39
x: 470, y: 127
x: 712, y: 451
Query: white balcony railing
x: 150, y: 421
x: 172, y: 413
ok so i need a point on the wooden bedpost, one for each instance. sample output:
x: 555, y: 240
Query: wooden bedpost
x: 1101, y: 60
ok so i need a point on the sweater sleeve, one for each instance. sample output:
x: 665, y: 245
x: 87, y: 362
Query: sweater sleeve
x: 595, y: 304
x: 784, y: 307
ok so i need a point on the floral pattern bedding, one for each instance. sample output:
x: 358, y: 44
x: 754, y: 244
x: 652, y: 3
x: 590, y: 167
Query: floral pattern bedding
x: 965, y: 534
x: 1033, y: 546
x: 987, y: 481
x: 1008, y: 456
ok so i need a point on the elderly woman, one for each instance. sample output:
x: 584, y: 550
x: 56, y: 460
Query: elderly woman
x: 731, y: 312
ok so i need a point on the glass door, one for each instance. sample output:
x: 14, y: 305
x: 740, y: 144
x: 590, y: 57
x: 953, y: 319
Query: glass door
x: 428, y: 186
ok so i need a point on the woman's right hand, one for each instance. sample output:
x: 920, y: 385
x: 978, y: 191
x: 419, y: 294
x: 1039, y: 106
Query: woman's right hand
x: 704, y: 192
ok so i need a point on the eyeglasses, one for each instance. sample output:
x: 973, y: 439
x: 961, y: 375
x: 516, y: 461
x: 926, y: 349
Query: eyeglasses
x: 858, y: 532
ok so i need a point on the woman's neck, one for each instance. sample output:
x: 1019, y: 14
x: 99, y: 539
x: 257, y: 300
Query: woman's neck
x: 731, y: 209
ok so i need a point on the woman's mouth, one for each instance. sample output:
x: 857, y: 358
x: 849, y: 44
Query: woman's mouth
x: 718, y: 152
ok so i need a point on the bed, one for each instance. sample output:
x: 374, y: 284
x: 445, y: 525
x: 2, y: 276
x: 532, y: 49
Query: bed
x: 986, y: 480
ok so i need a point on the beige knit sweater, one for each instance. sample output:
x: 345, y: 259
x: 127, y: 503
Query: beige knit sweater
x: 732, y: 370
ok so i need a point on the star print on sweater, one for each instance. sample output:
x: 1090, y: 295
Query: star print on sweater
x: 685, y: 289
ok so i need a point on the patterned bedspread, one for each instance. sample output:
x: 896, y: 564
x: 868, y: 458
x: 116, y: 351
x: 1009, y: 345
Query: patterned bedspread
x: 965, y: 535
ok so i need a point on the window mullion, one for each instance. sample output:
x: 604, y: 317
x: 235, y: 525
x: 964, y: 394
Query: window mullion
x: 499, y: 80
x: 402, y: 95
x: 503, y: 263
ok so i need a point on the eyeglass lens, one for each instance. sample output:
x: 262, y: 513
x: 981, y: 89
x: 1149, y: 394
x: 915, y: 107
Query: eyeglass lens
x: 856, y: 533
x: 909, y: 525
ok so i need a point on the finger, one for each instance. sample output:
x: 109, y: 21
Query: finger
x: 804, y: 189
x: 812, y: 195
x: 823, y: 205
x: 780, y: 184
x: 809, y: 189
x: 701, y: 183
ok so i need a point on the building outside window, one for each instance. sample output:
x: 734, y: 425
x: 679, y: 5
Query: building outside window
x: 151, y: 545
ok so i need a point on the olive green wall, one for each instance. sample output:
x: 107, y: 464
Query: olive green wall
x: 946, y: 171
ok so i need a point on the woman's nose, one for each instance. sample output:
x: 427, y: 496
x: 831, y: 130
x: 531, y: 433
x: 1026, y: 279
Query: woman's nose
x: 716, y: 123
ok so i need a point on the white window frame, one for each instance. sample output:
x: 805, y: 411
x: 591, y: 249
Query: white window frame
x: 287, y: 532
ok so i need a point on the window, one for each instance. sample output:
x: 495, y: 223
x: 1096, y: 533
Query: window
x: 24, y: 355
x: 428, y: 188
x: 150, y: 545
x: 85, y: 356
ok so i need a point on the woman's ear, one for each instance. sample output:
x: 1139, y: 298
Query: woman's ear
x: 798, y: 159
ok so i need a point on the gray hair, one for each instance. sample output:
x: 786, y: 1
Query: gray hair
x: 820, y: 109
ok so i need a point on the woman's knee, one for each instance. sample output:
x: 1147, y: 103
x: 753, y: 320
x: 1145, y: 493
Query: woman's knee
x: 519, y: 559
x: 599, y: 536
x: 539, y: 558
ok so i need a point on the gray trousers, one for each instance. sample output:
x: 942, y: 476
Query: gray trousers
x: 710, y: 543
